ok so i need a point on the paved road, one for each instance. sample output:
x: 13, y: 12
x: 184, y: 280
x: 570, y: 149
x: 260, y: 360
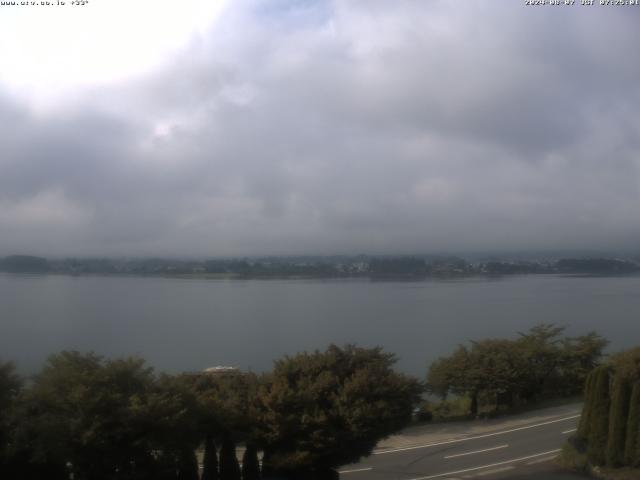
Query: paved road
x: 507, y: 452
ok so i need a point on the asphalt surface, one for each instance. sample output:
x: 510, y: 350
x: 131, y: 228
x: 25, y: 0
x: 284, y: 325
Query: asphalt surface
x: 522, y: 452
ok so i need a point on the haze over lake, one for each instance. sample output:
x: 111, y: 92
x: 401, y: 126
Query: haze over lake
x: 179, y: 324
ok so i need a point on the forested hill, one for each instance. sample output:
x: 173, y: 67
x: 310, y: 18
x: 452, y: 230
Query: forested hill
x: 375, y: 267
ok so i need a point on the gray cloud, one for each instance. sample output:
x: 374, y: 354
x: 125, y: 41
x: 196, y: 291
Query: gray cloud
x: 324, y: 127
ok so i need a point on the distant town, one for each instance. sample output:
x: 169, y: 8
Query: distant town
x: 374, y: 267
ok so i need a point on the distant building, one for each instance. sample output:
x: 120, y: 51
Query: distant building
x: 221, y: 370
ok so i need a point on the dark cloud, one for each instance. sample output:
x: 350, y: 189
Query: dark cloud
x: 343, y: 127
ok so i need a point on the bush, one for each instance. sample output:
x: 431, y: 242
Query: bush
x: 573, y: 456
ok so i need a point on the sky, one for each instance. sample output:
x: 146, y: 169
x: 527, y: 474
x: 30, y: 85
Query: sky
x: 259, y: 127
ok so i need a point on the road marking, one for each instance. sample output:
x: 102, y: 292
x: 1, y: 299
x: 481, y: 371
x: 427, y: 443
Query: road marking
x: 570, y: 431
x: 467, y: 439
x: 486, y: 466
x: 541, y: 460
x: 355, y: 470
x: 477, y: 451
x: 490, y: 472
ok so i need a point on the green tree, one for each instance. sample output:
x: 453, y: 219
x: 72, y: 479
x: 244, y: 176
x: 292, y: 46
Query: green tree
x: 580, y: 356
x: 502, y: 372
x: 10, y: 385
x: 107, y: 419
x: 587, y: 409
x: 229, y: 467
x: 210, y: 461
x: 226, y: 404
x: 78, y: 411
x: 632, y: 443
x: 599, y: 429
x: 187, y: 465
x: 618, y: 419
x: 326, y: 409
x: 542, y: 356
x: 250, y: 464
x: 499, y: 370
x: 456, y: 374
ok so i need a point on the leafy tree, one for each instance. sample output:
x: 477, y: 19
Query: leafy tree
x: 627, y: 363
x: 601, y: 403
x: 539, y: 364
x: 632, y: 443
x: 250, y: 464
x: 541, y: 352
x: 456, y: 374
x: 229, y: 467
x: 326, y: 409
x: 499, y: 369
x: 618, y: 419
x: 210, y: 461
x: 10, y: 385
x: 168, y: 414
x: 580, y: 356
x: 226, y: 403
x: 85, y: 411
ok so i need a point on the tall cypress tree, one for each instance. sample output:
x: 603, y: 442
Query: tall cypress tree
x: 632, y: 446
x: 599, y: 417
x: 210, y: 461
x: 585, y: 418
x: 618, y: 419
x: 188, y: 465
x: 229, y: 467
x: 250, y: 465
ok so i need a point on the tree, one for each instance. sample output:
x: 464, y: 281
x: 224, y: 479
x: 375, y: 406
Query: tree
x: 580, y: 355
x: 250, y: 464
x: 210, y: 461
x: 187, y: 465
x: 10, y: 385
x: 455, y: 374
x: 326, y: 409
x: 541, y: 354
x: 501, y: 372
x: 229, y: 467
x: 498, y: 369
x: 79, y: 411
x: 632, y: 443
x: 599, y: 429
x: 618, y: 419
x: 587, y: 410
x: 108, y: 419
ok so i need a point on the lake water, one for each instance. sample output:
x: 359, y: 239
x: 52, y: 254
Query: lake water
x: 179, y: 324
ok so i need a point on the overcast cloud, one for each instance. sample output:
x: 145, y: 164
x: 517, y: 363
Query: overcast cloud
x: 320, y: 127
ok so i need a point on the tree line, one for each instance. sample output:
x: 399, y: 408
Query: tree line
x: 94, y: 418
x: 374, y: 267
x: 90, y: 418
x: 500, y: 373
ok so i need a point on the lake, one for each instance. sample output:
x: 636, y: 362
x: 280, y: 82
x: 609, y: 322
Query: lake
x: 179, y: 324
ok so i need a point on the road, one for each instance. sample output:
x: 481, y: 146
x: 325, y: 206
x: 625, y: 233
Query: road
x: 514, y: 448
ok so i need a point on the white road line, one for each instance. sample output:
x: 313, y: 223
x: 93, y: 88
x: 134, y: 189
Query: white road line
x: 541, y: 460
x: 490, y: 472
x: 467, y: 439
x: 570, y: 431
x: 355, y: 470
x: 477, y: 451
x: 486, y: 466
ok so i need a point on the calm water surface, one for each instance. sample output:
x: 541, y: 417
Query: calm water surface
x: 181, y: 324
